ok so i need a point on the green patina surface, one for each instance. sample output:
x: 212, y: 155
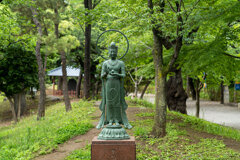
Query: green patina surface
x: 113, y: 105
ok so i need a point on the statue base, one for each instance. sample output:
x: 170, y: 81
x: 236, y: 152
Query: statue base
x: 113, y: 149
x: 113, y: 132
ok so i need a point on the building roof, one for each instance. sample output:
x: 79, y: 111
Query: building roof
x: 71, y: 72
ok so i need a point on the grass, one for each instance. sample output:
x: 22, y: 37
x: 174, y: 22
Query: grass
x: 140, y: 102
x: 179, y: 144
x: 203, y: 125
x: 81, y: 154
x: 30, y: 138
x: 184, y: 139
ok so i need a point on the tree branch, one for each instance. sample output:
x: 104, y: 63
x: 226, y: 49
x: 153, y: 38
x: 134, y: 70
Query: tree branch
x: 148, y: 47
x: 131, y: 77
x: 95, y: 3
x: 140, y: 80
x: 171, y: 6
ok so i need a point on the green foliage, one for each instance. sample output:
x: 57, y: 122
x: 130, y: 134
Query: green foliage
x: 30, y: 138
x: 18, y: 70
x: 81, y: 154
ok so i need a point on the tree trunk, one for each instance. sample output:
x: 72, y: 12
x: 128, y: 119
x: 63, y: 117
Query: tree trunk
x: 13, y: 110
x: 16, y: 103
x: 197, y: 98
x: 176, y: 95
x: 64, y: 66
x: 65, y: 86
x: 23, y: 103
x: 136, y: 89
x: 159, y: 128
x: 41, y: 72
x: 78, y: 88
x: 192, y: 88
x: 60, y: 83
x: 144, y: 89
x: 222, y: 93
x: 19, y: 104
x: 87, y: 60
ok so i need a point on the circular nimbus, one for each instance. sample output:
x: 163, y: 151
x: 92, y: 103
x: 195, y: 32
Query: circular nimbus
x: 110, y: 31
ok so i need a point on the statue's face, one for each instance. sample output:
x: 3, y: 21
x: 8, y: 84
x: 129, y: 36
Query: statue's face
x: 112, y: 53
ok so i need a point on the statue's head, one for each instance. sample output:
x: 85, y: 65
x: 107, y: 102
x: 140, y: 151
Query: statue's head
x: 112, y: 50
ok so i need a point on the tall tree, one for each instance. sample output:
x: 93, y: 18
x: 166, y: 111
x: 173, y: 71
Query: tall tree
x: 89, y: 5
x: 87, y: 60
x: 41, y: 66
x: 56, y: 6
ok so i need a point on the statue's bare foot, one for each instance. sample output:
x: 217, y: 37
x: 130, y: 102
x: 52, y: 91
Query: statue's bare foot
x: 110, y: 123
x: 117, y: 123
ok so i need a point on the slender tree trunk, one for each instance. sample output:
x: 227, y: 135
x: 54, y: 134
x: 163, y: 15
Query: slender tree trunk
x: 87, y: 58
x: 23, y: 102
x: 176, y: 95
x: 65, y: 86
x: 159, y: 128
x: 136, y: 89
x: 64, y: 66
x: 13, y: 109
x: 41, y: 72
x: 144, y: 89
x: 222, y: 93
x: 16, y: 103
x: 192, y: 88
x: 78, y: 88
x: 198, y: 98
x: 19, y: 106
x: 60, y: 83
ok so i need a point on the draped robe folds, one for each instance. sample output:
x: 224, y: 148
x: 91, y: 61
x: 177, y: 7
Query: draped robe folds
x: 113, y: 104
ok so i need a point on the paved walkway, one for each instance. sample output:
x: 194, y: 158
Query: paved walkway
x: 228, y: 115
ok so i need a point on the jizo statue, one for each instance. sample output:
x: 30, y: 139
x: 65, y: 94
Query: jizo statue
x: 113, y: 105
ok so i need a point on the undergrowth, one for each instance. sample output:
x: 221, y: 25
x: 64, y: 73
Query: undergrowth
x: 30, y: 138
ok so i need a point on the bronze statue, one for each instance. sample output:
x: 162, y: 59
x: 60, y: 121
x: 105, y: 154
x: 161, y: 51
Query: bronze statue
x: 113, y: 72
x: 113, y: 105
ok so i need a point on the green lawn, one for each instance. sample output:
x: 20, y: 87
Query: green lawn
x: 187, y: 138
x: 30, y: 138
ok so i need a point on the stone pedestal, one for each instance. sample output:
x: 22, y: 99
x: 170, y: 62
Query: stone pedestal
x: 113, y: 149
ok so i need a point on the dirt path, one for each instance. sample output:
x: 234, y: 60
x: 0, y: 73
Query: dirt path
x: 71, y: 145
x: 75, y: 143
x: 81, y: 141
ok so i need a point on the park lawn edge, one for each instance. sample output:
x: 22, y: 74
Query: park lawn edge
x: 31, y: 138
